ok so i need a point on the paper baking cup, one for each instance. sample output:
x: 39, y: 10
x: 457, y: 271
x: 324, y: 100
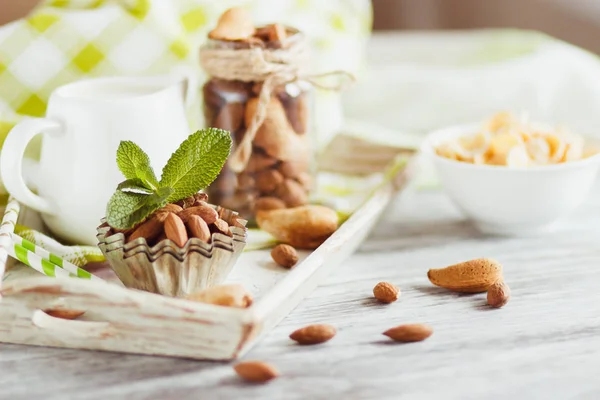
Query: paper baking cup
x: 168, y: 269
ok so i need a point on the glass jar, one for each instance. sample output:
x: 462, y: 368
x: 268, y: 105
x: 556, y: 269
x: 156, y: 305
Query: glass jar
x: 279, y: 170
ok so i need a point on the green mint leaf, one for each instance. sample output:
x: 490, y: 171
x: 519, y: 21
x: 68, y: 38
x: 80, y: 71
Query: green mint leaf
x: 125, y: 209
x: 196, y: 163
x: 134, y: 163
x: 135, y: 185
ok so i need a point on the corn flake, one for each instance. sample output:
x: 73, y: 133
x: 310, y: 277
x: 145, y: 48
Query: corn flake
x: 507, y: 141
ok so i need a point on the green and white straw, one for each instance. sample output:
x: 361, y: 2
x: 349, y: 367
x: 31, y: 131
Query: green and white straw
x: 50, y: 263
x: 11, y: 213
x: 31, y: 255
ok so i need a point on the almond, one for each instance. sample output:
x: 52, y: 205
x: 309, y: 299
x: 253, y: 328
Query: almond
x: 268, y: 180
x: 201, y: 198
x: 498, y: 294
x: 198, y: 228
x: 409, y: 333
x: 292, y: 193
x: 237, y: 223
x: 275, y: 136
x: 230, y: 116
x: 296, y: 108
x: 313, y: 334
x: 304, y: 227
x: 284, y: 255
x: 256, y: 371
x: 175, y: 230
x: 207, y: 213
x: 64, y: 313
x: 239, y: 200
x: 259, y: 161
x: 224, y: 295
x: 293, y: 168
x: 276, y: 33
x: 257, y: 86
x: 304, y: 179
x: 187, y: 202
x: 174, y: 208
x: 245, y: 181
x: 234, y: 24
x: 472, y: 276
x: 149, y: 229
x: 386, y: 292
x: 268, y: 203
x: 221, y: 226
x: 261, y: 33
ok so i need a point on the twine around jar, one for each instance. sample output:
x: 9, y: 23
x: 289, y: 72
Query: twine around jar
x: 272, y: 67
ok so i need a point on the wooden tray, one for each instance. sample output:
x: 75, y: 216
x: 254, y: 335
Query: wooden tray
x: 130, y: 321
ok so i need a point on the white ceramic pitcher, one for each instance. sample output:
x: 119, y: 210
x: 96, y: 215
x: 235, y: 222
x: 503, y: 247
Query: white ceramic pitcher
x: 84, y: 125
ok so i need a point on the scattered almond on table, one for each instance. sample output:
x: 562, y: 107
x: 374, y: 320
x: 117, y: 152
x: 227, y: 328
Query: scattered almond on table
x: 313, y: 334
x: 474, y: 276
x: 409, y: 333
x: 498, y: 294
x: 385, y: 292
x: 256, y: 371
x: 284, y: 255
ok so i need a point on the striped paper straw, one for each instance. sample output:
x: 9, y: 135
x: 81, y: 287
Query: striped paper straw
x: 53, y: 259
x: 38, y: 263
x: 11, y: 213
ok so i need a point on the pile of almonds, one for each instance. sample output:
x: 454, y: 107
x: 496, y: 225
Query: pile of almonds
x: 277, y: 174
x: 192, y: 217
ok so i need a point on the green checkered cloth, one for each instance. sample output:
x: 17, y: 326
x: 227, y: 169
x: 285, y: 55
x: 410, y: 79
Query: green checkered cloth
x: 66, y: 40
x: 62, y: 41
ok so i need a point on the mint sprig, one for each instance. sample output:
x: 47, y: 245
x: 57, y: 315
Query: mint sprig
x: 135, y: 185
x: 196, y: 163
x: 134, y: 163
x: 128, y: 209
x: 193, y: 166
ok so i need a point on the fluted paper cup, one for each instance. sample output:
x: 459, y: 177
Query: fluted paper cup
x: 168, y: 269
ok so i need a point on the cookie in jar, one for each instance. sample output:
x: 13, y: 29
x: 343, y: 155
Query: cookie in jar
x: 255, y: 91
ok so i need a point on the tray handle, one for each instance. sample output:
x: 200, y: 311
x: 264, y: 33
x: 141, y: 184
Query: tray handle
x: 88, y: 329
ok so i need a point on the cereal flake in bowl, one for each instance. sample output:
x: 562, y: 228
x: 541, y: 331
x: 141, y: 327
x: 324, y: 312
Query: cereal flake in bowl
x: 513, y: 177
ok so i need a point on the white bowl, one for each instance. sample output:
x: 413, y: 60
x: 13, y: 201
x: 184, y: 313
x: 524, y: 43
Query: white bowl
x: 511, y: 201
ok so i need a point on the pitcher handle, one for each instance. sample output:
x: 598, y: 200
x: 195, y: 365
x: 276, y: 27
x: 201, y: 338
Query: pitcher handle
x: 11, y: 161
x: 188, y: 76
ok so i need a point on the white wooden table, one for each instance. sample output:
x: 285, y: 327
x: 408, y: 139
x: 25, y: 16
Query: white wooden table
x: 545, y: 344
